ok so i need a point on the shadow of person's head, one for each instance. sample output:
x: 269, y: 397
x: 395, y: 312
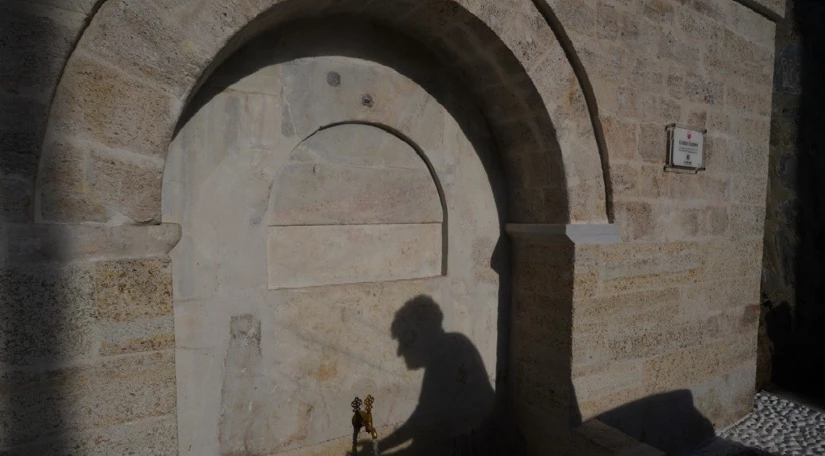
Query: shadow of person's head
x: 417, y: 327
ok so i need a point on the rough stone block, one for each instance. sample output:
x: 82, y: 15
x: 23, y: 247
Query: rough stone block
x: 704, y: 89
x: 35, y: 41
x: 100, y: 103
x: 617, y: 376
x: 742, y: 158
x: 697, y: 27
x: 114, y: 391
x: 130, y: 187
x: 639, y: 34
x: 748, y: 189
x: 15, y: 199
x: 303, y: 256
x: 139, y: 38
x: 139, y: 336
x: 56, y: 206
x: 46, y: 312
x: 659, y: 11
x: 150, y: 437
x: 621, y: 138
x: 739, y: 99
x: 747, y: 221
x: 130, y: 290
x: 654, y: 182
x: 22, y: 122
x: 624, y: 178
x: 734, y: 259
x: 65, y: 168
x: 679, y: 51
x: 636, y: 220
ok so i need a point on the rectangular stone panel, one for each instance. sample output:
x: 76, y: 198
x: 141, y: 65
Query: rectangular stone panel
x: 307, y: 256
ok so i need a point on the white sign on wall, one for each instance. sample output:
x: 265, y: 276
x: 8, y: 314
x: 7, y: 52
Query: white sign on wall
x: 685, y: 148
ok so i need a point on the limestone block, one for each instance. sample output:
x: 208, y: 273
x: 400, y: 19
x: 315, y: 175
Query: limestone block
x: 132, y: 115
x: 598, y: 313
x: 621, y: 137
x: 151, y: 437
x: 355, y: 174
x: 47, y: 313
x: 726, y: 398
x: 57, y: 206
x: 301, y: 256
x: 744, y: 100
x: 21, y: 125
x: 35, y: 41
x: 15, y: 199
x: 624, y: 178
x: 618, y: 376
x: 749, y: 189
x: 654, y: 182
x: 140, y: 38
x: 131, y: 188
x: 129, y: 290
x: 744, y: 158
x: 84, y: 397
x: 145, y: 335
x: 740, y: 258
x: 678, y: 50
x: 747, y: 221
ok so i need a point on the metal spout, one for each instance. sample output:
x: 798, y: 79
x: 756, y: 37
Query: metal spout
x: 363, y: 419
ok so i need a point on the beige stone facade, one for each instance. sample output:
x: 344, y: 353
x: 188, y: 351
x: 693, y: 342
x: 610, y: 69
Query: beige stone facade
x: 215, y: 214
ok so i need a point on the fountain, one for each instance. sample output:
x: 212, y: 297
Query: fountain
x: 363, y: 419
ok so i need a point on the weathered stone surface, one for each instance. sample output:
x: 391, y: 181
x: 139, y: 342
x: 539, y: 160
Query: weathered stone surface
x: 132, y: 114
x: 355, y: 174
x: 47, y: 313
x: 128, y: 290
x: 302, y: 256
x: 28, y: 27
x: 15, y: 199
x: 22, y: 121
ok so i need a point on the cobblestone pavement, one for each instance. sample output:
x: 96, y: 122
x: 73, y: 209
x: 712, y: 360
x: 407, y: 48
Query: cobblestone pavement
x: 776, y: 427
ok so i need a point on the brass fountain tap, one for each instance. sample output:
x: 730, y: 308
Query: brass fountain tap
x: 363, y: 418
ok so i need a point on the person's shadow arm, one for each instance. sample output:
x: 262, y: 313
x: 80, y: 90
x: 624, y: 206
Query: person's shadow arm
x: 402, y: 434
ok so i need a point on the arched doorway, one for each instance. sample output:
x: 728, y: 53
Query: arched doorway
x: 328, y: 178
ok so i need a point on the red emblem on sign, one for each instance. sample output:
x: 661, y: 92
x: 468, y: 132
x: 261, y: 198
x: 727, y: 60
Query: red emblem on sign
x: 689, y: 135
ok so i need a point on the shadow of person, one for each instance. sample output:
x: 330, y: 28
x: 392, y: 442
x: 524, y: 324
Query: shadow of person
x: 453, y: 415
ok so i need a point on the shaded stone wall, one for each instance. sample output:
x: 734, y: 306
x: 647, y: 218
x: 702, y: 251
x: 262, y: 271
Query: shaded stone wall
x: 792, y: 345
x: 682, y: 285
x: 676, y: 304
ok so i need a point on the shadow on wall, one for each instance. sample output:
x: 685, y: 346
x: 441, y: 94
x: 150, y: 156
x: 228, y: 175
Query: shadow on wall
x: 349, y: 38
x: 45, y: 307
x: 796, y: 202
x: 455, y: 414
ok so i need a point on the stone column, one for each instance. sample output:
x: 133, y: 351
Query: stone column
x: 87, y: 352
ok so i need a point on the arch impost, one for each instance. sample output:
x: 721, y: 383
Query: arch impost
x: 579, y: 234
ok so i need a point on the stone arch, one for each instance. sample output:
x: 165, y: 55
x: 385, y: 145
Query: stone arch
x: 137, y: 64
x: 220, y: 267
x: 352, y: 176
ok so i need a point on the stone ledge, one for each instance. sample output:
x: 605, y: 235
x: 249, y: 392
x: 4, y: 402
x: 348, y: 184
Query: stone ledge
x: 577, y: 234
x: 37, y: 243
x: 614, y: 441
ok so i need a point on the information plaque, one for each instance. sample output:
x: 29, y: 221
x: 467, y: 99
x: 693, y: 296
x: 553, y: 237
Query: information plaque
x: 685, y: 149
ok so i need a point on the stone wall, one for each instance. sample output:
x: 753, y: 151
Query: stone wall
x: 676, y: 304
x: 565, y: 86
